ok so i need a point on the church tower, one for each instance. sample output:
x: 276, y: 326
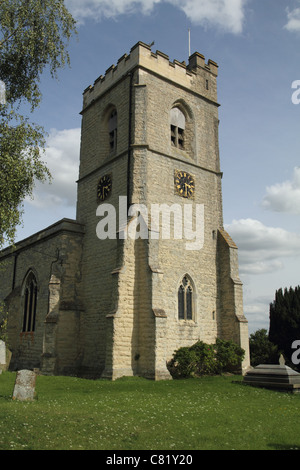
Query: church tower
x: 147, y: 266
x: 158, y: 270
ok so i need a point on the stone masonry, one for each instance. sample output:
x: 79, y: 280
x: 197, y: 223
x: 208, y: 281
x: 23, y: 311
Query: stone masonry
x: 110, y: 307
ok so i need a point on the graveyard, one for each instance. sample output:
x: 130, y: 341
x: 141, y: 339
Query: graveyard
x: 208, y: 413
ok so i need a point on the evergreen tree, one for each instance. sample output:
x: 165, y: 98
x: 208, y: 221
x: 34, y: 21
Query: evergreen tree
x: 285, y: 320
x: 262, y: 351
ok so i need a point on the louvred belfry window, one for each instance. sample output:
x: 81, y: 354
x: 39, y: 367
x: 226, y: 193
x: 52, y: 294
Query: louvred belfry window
x: 177, y: 119
x: 112, y: 129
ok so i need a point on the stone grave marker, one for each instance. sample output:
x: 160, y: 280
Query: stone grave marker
x: 24, y: 389
x: 2, y: 355
x: 5, y: 356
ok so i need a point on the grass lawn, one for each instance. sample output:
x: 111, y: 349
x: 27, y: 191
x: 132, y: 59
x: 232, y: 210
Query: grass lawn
x: 211, y: 413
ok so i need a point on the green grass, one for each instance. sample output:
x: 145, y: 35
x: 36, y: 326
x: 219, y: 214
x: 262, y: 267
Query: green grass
x: 138, y: 414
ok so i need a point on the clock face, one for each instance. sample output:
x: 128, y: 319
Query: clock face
x: 104, y: 187
x: 184, y: 184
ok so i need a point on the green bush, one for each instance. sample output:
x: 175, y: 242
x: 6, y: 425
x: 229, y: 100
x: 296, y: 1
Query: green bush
x: 229, y: 356
x: 184, y: 363
x: 206, y: 359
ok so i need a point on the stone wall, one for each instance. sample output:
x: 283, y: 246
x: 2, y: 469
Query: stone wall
x: 100, y: 257
x: 53, y: 255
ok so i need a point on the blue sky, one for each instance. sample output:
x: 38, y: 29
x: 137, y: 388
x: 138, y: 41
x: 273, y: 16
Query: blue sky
x: 256, y: 45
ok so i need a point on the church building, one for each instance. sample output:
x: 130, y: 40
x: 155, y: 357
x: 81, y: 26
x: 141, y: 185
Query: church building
x: 147, y: 266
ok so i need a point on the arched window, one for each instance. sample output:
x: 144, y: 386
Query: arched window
x: 112, y: 130
x: 186, y: 300
x: 30, y: 298
x: 177, y: 119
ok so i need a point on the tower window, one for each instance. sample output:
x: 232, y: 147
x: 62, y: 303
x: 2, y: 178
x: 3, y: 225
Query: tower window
x: 177, y: 119
x: 185, y: 300
x: 30, y: 298
x: 112, y: 129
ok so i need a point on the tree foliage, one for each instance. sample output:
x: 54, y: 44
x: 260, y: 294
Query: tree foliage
x: 20, y: 165
x: 34, y: 35
x: 285, y: 320
x: 262, y: 351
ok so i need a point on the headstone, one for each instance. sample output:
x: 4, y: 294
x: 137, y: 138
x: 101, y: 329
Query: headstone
x: 24, y: 389
x: 5, y: 356
x: 2, y: 355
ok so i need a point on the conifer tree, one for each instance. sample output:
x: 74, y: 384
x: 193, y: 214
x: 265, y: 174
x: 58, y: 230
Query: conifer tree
x: 285, y: 320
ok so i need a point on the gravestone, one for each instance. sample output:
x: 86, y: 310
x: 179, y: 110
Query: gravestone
x: 5, y: 356
x: 2, y: 355
x: 24, y: 389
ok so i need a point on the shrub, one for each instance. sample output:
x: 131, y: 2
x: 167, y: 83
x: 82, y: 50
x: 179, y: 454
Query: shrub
x: 206, y: 359
x: 183, y: 364
x: 229, y: 356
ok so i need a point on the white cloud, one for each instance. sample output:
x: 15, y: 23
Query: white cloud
x: 226, y: 14
x: 256, y: 310
x: 293, y: 23
x: 284, y: 197
x: 99, y: 9
x: 62, y: 159
x: 262, y: 249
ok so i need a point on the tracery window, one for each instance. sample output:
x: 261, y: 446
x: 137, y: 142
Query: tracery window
x: 30, y: 300
x: 185, y: 299
x: 177, y: 120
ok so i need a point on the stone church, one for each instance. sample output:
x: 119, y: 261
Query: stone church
x: 114, y: 293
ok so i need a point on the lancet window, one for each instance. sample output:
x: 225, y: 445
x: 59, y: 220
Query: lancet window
x: 30, y: 301
x: 186, y: 300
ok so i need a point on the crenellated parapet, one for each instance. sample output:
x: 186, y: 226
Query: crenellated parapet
x: 197, y: 73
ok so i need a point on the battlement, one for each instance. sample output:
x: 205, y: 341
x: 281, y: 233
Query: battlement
x: 141, y: 55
